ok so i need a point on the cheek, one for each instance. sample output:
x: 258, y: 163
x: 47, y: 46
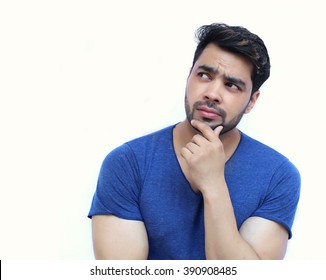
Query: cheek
x: 237, y: 108
x: 190, y: 96
x: 194, y: 89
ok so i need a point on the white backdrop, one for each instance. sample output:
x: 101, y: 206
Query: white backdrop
x: 78, y: 78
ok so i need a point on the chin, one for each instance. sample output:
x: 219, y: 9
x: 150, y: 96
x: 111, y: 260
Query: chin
x: 211, y: 123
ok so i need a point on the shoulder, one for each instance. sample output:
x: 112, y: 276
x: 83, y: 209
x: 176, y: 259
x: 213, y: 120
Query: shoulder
x: 136, y: 150
x: 258, y: 150
x: 252, y: 145
x: 163, y: 135
x: 275, y: 176
x: 265, y: 157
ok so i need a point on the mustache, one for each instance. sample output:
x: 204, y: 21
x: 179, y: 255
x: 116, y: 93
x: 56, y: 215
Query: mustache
x: 212, y: 105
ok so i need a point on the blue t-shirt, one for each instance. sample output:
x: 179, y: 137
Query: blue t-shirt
x: 142, y: 180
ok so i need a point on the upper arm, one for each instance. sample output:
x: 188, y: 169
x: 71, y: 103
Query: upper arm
x: 268, y: 238
x: 115, y: 238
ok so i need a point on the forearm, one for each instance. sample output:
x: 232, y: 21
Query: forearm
x: 222, y: 238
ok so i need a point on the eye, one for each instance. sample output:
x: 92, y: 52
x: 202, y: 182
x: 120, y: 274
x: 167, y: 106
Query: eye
x: 204, y: 75
x: 233, y: 86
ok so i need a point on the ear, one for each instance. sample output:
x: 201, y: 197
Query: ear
x: 252, y: 101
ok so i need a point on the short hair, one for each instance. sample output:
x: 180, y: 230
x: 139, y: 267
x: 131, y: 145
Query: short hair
x: 236, y: 39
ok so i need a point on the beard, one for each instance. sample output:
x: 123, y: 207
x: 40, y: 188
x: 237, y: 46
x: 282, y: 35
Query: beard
x: 227, y: 126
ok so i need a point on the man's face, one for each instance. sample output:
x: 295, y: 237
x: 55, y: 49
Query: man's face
x: 219, y: 89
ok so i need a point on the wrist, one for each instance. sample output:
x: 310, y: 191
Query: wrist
x: 214, y: 190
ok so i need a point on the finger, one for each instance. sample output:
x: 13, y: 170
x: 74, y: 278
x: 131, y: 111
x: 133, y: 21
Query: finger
x: 205, y: 129
x: 192, y: 147
x: 186, y: 153
x: 218, y: 130
x: 199, y: 139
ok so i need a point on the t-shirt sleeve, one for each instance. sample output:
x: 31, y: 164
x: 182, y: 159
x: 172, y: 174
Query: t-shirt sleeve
x: 118, y: 187
x: 281, y: 201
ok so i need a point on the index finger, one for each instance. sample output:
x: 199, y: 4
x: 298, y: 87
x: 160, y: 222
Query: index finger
x: 205, y: 129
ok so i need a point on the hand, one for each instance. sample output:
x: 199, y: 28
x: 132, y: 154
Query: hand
x: 205, y: 157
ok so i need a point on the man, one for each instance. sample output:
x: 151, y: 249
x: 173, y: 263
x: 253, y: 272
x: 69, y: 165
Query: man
x: 201, y: 189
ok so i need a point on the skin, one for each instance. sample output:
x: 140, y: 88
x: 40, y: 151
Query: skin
x: 218, y: 93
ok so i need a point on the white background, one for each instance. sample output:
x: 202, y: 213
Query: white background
x: 78, y: 78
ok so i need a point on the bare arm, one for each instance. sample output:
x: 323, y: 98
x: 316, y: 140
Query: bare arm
x: 269, y: 239
x: 119, y: 239
x: 258, y: 238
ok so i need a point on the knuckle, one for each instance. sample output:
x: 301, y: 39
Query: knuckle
x: 196, y: 138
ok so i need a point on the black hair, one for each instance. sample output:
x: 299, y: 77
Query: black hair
x: 236, y: 39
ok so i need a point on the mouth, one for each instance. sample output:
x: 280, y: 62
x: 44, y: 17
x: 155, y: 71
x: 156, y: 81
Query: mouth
x: 208, y: 113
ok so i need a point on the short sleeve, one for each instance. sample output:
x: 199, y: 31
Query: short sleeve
x: 118, y: 186
x: 282, y: 198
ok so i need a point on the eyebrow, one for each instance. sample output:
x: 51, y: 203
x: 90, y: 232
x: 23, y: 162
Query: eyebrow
x: 214, y: 70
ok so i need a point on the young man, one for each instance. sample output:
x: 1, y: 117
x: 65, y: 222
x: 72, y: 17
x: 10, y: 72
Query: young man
x: 201, y: 189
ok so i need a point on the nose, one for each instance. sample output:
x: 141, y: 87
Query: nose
x: 214, y: 93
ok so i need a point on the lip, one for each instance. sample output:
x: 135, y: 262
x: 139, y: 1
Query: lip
x: 208, y: 112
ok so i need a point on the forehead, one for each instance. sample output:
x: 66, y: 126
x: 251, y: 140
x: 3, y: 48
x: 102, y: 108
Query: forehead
x: 228, y: 62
